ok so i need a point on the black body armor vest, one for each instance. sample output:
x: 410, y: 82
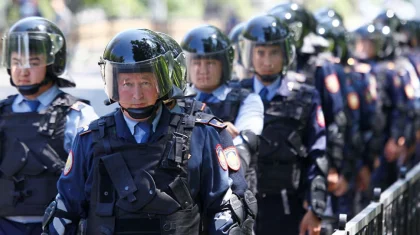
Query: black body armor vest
x: 142, y: 188
x: 282, y: 151
x: 32, y: 156
x: 228, y: 109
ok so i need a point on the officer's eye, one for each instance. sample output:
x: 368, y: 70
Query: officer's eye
x: 261, y: 53
x: 275, y: 52
x: 34, y: 64
x: 211, y: 62
x: 127, y: 84
x: 146, y: 83
x: 196, y: 62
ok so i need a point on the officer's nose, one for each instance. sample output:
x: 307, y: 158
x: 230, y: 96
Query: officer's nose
x: 137, y: 93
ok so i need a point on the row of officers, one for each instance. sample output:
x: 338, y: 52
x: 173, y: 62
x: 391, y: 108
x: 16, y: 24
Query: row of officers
x: 273, y: 129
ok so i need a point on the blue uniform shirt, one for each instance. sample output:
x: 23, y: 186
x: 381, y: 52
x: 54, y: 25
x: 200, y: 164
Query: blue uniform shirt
x: 210, y: 183
x: 251, y: 111
x: 75, y: 119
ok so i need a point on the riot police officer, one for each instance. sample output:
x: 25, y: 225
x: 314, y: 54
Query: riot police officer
x: 209, y: 63
x: 37, y: 125
x: 179, y: 102
x: 291, y: 165
x: 374, y: 45
x: 321, y: 73
x: 353, y: 82
x: 140, y: 168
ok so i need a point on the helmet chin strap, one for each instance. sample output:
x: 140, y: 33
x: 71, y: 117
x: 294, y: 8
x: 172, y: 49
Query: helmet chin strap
x: 142, y: 113
x: 268, y: 78
x: 30, y: 89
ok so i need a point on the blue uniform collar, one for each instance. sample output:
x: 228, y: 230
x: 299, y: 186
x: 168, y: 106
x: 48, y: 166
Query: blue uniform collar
x: 125, y: 129
x: 272, y: 88
x: 45, y: 98
x: 132, y: 123
x: 220, y: 93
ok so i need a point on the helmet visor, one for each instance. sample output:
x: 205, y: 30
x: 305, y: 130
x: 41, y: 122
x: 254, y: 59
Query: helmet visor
x: 179, y: 75
x: 281, y: 50
x: 137, y: 79
x: 27, y: 49
x: 208, y: 68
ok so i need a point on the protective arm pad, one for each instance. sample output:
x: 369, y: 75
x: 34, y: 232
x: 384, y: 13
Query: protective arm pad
x: 244, y: 212
x: 318, y: 195
x: 251, y: 140
x: 53, y: 212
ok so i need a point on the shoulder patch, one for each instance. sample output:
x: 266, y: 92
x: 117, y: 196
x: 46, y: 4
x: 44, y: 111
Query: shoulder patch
x: 390, y: 65
x: 78, y: 106
x: 409, y: 91
x: 221, y: 157
x: 69, y: 164
x: 353, y: 101
x: 396, y: 80
x: 232, y: 158
x: 320, y: 117
x: 332, y: 84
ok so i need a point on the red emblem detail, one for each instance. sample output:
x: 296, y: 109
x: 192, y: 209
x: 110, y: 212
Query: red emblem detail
x: 232, y: 158
x: 320, y: 117
x: 353, y: 100
x: 332, y: 84
x: 69, y: 164
x: 221, y: 157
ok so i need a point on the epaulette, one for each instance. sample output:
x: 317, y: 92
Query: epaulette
x: 212, y: 122
x: 84, y: 130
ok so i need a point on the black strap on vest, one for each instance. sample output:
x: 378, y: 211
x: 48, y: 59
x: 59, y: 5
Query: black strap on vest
x: 112, y: 167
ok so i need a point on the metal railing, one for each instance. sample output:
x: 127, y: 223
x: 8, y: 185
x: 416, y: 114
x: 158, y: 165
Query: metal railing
x: 395, y: 211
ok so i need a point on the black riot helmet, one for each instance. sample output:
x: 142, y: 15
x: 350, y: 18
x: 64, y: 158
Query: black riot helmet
x: 179, y: 74
x: 330, y: 25
x: 327, y: 13
x: 36, y: 36
x: 267, y: 30
x: 381, y: 40
x: 300, y: 21
x: 411, y: 30
x: 208, y: 42
x: 137, y: 51
x: 234, y: 38
x: 390, y: 19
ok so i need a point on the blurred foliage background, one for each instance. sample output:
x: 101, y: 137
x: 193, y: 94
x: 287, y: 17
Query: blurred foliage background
x: 89, y: 24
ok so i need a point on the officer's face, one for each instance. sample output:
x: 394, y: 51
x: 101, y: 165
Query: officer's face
x: 205, y: 74
x: 27, y: 75
x: 364, y: 49
x: 137, y: 90
x: 267, y: 60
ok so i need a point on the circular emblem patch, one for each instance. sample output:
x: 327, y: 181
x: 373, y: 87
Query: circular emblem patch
x: 69, y: 164
x: 320, y: 117
x: 221, y: 157
x: 332, y: 84
x: 409, y: 91
x: 232, y: 158
x: 353, y: 100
